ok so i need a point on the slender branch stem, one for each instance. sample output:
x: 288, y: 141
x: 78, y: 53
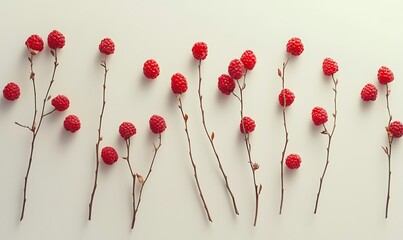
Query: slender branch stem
x: 330, y: 136
x: 99, y: 139
x: 127, y: 141
x: 249, y: 149
x: 388, y: 150
x: 35, y: 129
x: 185, y: 119
x: 285, y: 132
x: 156, y: 148
x: 212, y: 142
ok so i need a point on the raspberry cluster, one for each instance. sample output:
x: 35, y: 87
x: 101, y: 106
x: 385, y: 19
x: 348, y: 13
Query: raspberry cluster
x: 236, y: 69
x: 61, y: 103
x: 294, y: 46
x: 248, y: 123
x: 107, y: 46
x: 369, y: 92
x: 151, y: 69
x: 289, y: 97
x: 127, y: 129
x: 329, y: 66
x: 396, y: 129
x: 293, y: 161
x: 200, y: 50
x: 226, y: 84
x: 72, y: 123
x: 319, y: 116
x: 385, y: 75
x: 34, y: 44
x: 56, y: 40
x: 11, y: 91
x: 157, y: 124
x: 179, y: 84
x: 109, y: 155
x: 248, y: 59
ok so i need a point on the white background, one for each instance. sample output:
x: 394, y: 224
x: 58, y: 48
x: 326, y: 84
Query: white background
x: 360, y: 35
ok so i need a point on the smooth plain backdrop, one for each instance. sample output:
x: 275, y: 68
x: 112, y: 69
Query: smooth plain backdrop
x: 360, y: 35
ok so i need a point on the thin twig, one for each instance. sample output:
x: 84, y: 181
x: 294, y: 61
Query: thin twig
x: 285, y: 132
x: 330, y: 135
x: 212, y: 143
x: 185, y: 119
x: 99, y: 139
x: 156, y: 148
x: 388, y: 151
x: 249, y: 148
x: 127, y: 141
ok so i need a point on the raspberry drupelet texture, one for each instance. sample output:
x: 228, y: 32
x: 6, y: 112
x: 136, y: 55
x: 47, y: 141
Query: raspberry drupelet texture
x: 236, y: 69
x: 107, y: 46
x: 396, y: 129
x: 249, y: 124
x: 157, y: 124
x: 61, y: 103
x: 385, y: 75
x: 109, y: 155
x: 179, y: 84
x: 248, y: 59
x: 319, y: 115
x: 329, y: 66
x: 289, y: 97
x: 295, y: 46
x: 11, y: 91
x: 200, y: 50
x: 72, y: 123
x: 293, y: 161
x: 56, y: 40
x: 226, y: 84
x: 34, y: 44
x: 127, y: 129
x: 151, y: 69
x: 369, y: 92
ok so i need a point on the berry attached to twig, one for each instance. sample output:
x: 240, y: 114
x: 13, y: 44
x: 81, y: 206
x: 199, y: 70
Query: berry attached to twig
x: 329, y: 66
x: 61, y: 103
x: 226, y: 84
x: 56, y: 40
x: 107, y: 46
x: 236, y: 69
x: 34, y: 44
x: 127, y: 129
x: 295, y: 46
x: 157, y: 124
x: 319, y: 116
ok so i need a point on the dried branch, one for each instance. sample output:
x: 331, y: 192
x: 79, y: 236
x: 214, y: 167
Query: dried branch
x: 388, y: 150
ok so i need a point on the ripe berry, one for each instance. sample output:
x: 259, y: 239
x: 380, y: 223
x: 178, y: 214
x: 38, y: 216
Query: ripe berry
x: 56, y: 40
x: 329, y: 66
x: 289, y: 97
x: 236, y: 69
x: 369, y: 92
x: 226, y: 84
x: 157, y: 124
x: 34, y: 44
x: 127, y: 129
x: 60, y: 102
x: 107, y: 46
x: 109, y: 155
x: 249, y: 125
x: 396, y: 128
x: 248, y: 59
x: 319, y: 115
x: 295, y: 46
x: 72, y: 123
x: 293, y: 161
x: 200, y: 50
x: 11, y: 91
x: 179, y: 84
x: 385, y: 75
x: 151, y: 69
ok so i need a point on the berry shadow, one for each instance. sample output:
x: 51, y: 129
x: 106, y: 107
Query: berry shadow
x: 6, y: 105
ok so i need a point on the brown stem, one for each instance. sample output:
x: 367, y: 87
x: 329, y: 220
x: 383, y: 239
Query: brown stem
x: 156, y: 148
x: 185, y: 119
x: 103, y: 64
x: 249, y: 149
x: 330, y: 135
x: 212, y: 143
x: 286, y: 134
x: 388, y: 151
x: 35, y: 129
x: 127, y: 141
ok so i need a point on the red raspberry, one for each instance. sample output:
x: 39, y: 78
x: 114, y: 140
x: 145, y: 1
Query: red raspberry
x: 179, y: 84
x: 249, y: 125
x: 295, y: 46
x: 60, y: 102
x: 72, y: 123
x: 11, y: 91
x: 56, y: 40
x: 369, y: 92
x: 385, y: 75
x: 34, y: 44
x: 329, y: 66
x: 226, y: 84
x: 127, y: 129
x: 151, y: 69
x: 200, y: 50
x: 396, y: 128
x: 293, y: 161
x: 319, y: 115
x: 236, y: 69
x: 109, y: 155
x: 157, y: 124
x: 107, y: 46
x: 248, y: 59
x: 289, y: 97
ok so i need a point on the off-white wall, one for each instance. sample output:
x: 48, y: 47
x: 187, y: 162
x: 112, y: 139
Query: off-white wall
x: 360, y: 35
